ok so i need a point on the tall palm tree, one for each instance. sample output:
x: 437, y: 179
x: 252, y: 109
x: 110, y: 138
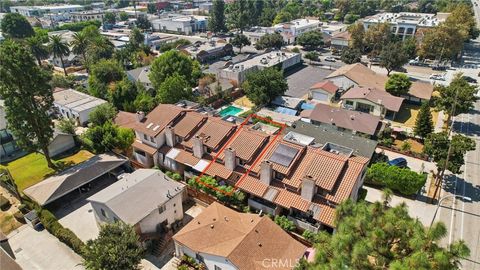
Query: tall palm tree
x: 38, y: 49
x: 79, y: 45
x: 59, y: 49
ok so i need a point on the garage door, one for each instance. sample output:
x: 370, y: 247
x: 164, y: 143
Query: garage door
x: 319, y: 96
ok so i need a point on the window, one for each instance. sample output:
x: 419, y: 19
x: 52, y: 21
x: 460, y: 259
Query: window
x: 145, y: 137
x: 349, y: 102
x: 161, y: 209
x: 140, y: 152
x: 152, y: 139
x: 103, y: 213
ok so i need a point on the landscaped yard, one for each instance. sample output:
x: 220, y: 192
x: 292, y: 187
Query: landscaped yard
x: 244, y: 102
x: 32, y: 168
x: 408, y: 113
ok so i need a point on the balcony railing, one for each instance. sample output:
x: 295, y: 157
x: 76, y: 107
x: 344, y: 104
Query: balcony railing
x: 304, y: 224
x: 260, y: 206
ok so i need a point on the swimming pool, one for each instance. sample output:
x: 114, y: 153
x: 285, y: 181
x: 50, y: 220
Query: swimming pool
x: 230, y: 110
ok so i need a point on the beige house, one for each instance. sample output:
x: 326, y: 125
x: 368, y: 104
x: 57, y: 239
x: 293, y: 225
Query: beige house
x: 372, y: 101
x: 323, y: 91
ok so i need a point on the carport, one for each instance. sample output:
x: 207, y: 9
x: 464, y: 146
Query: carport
x: 74, y: 178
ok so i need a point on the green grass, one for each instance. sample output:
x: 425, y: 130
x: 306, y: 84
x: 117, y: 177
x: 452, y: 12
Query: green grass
x: 33, y: 168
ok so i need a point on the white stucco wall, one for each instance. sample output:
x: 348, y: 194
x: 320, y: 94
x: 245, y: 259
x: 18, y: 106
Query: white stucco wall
x: 60, y: 144
x: 377, y: 109
x: 173, y: 212
x: 209, y: 260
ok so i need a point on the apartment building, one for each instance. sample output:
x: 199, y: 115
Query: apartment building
x: 406, y: 24
x: 289, y: 174
x: 289, y: 30
x: 181, y: 24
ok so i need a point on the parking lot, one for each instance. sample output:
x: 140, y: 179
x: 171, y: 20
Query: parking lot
x: 301, y: 78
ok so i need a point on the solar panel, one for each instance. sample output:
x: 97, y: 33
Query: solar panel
x: 283, y: 155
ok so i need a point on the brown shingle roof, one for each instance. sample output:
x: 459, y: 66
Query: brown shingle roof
x: 376, y: 96
x: 352, y: 120
x: 158, y: 119
x: 144, y: 147
x: 247, y: 143
x: 366, y: 77
x: 244, y: 239
x: 345, y: 35
x: 189, y: 123
x: 125, y: 119
x: 213, y: 132
x: 326, y: 85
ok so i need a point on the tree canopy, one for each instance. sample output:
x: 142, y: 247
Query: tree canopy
x: 267, y: 41
x: 173, y: 89
x: 28, y: 98
x: 14, y: 25
x: 310, y: 40
x: 392, y: 57
x: 216, y: 23
x: 239, y: 41
x: 103, y: 76
x: 398, y: 84
x: 109, y: 17
x: 102, y: 114
x: 376, y: 236
x: 263, y: 86
x: 458, y: 92
x: 424, y: 122
x: 351, y: 56
x: 395, y: 178
x: 117, y: 247
x: 173, y: 62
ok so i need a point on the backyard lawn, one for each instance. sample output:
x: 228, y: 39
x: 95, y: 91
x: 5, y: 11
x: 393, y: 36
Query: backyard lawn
x: 408, y: 114
x: 244, y: 102
x: 32, y: 168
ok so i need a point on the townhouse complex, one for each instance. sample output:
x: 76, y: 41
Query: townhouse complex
x: 283, y: 173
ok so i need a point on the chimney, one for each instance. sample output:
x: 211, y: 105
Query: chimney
x: 198, y: 146
x: 308, y: 188
x: 230, y: 159
x: 140, y: 116
x: 170, y: 136
x: 266, y: 172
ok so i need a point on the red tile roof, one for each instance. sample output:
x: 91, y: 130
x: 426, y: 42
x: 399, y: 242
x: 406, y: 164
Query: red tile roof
x: 190, y: 122
x: 327, y: 86
x: 247, y: 143
x: 162, y: 116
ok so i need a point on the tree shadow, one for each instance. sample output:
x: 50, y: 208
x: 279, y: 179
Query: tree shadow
x: 473, y: 129
x: 472, y: 191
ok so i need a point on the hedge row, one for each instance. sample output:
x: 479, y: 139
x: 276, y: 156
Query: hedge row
x: 398, y: 179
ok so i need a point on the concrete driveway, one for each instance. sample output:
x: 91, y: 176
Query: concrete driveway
x: 41, y: 250
x: 414, y: 164
x: 82, y: 222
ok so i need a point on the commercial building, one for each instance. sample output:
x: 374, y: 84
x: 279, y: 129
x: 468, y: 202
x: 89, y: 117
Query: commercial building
x: 181, y: 24
x: 291, y: 30
x: 406, y: 24
x: 87, y: 15
x: 39, y: 11
x: 75, y: 105
x: 237, y: 72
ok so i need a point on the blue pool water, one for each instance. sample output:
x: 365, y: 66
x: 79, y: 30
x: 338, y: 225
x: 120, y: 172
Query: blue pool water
x: 230, y: 110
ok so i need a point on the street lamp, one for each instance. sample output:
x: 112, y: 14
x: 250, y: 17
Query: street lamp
x: 468, y: 199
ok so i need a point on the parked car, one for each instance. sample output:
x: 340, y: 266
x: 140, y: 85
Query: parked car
x: 469, y: 79
x: 330, y: 59
x: 226, y: 58
x: 439, y: 67
x: 438, y: 77
x: 398, y: 162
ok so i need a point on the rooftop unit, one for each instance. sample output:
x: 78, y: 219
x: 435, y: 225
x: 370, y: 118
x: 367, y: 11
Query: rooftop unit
x: 298, y: 138
x: 337, y: 149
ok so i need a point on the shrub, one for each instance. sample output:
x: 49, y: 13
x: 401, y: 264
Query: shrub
x: 4, y: 203
x: 19, y: 216
x: 308, y: 235
x: 22, y: 208
x: 398, y: 179
x: 284, y: 223
x: 174, y: 176
x: 296, y: 50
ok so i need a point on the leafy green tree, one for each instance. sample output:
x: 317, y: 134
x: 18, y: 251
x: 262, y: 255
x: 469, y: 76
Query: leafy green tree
x: 442, y: 42
x: 459, y: 94
x: 284, y: 223
x: 28, y: 98
x: 312, y: 56
x: 136, y: 38
x: 59, y: 49
x: 377, y: 236
x: 423, y: 123
x: 62, y: 81
x: 144, y: 101
x: 14, y: 25
x: 98, y: 48
x: 357, y: 34
x: 310, y: 40
x: 239, y: 41
x: 37, y: 48
x: 238, y: 15
x: 282, y: 17
x: 409, y: 46
x: 402, y: 180
x: 108, y: 137
x: 67, y: 125
x: 392, y: 57
x: 123, y: 16
x: 263, y: 86
x: 173, y: 89
x: 151, y: 8
x: 143, y: 22
x: 376, y: 37
x: 216, y: 23
x: 109, y: 17
x: 351, y: 56
x: 174, y: 45
x: 436, y: 147
x: 351, y: 18
x: 274, y: 40
x: 398, y: 84
x: 173, y: 62
x: 117, y: 247
x: 80, y: 44
x: 102, y: 114
x: 103, y: 76
x: 123, y: 95
x: 78, y: 26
